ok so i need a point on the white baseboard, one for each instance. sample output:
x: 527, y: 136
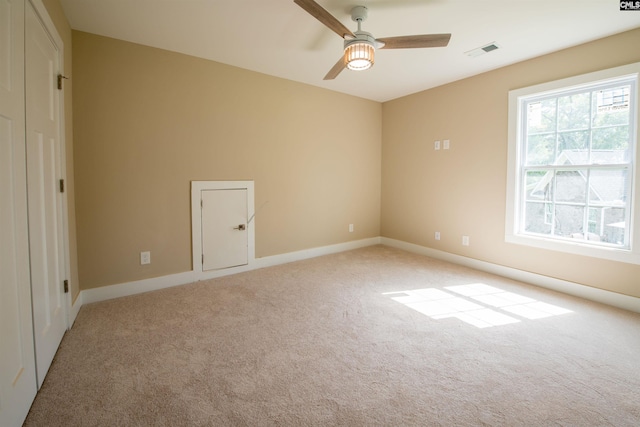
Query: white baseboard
x: 136, y: 287
x: 315, y: 252
x: 103, y: 293
x: 131, y: 288
x: 587, y: 292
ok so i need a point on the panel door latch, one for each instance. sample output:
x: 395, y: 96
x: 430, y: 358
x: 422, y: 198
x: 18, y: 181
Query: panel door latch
x: 60, y: 77
x: 240, y: 227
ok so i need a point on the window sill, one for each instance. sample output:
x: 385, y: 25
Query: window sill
x: 612, y: 254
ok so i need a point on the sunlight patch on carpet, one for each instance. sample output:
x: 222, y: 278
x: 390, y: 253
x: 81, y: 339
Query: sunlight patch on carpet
x: 477, y: 304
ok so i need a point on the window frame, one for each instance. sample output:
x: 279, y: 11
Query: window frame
x: 517, y: 97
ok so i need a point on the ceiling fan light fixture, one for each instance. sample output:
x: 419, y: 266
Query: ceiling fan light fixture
x: 359, y: 56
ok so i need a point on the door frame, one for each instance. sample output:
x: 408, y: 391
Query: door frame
x: 196, y: 225
x: 51, y: 30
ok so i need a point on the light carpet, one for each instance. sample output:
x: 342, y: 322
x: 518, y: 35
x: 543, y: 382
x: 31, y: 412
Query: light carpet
x: 374, y: 336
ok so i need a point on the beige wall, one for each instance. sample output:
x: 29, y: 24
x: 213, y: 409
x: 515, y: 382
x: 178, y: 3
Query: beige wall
x: 148, y: 121
x: 54, y: 9
x: 462, y: 191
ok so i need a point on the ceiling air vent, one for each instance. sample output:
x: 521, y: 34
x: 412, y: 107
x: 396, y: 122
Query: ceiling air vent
x: 482, y: 50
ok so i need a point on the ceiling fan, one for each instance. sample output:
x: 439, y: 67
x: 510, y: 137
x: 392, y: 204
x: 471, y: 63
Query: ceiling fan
x: 360, y: 46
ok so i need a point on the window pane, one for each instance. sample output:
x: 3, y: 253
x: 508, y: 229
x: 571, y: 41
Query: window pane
x: 595, y: 220
x: 611, y: 106
x: 613, y: 144
x: 573, y: 111
x: 538, y: 185
x: 571, y: 141
x: 541, y: 116
x: 571, y: 186
x: 536, y: 219
x: 609, y: 187
x: 614, y: 225
x: 540, y: 149
x: 569, y: 221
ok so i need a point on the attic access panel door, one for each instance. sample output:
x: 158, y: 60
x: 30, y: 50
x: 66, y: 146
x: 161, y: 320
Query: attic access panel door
x: 224, y: 228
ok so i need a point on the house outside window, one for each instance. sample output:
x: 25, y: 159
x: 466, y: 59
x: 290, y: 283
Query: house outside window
x: 572, y: 180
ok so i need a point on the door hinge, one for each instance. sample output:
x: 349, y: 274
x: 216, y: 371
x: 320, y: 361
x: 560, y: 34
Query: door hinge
x: 60, y: 77
x: 62, y: 185
x: 202, y: 259
x: 66, y: 286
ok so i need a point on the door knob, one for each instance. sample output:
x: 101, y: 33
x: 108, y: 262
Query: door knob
x: 239, y: 227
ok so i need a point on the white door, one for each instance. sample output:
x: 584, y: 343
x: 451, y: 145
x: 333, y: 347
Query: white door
x: 44, y: 171
x: 224, y: 228
x: 17, y: 364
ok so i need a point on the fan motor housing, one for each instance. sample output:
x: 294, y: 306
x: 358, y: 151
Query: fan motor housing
x: 361, y: 37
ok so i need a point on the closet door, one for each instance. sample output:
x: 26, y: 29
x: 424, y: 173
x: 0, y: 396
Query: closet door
x: 44, y: 172
x: 17, y: 363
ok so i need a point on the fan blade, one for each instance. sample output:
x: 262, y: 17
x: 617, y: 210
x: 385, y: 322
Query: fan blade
x: 410, y: 42
x: 335, y: 70
x: 315, y: 10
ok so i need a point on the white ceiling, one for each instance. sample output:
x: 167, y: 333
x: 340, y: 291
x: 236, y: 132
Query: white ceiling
x: 279, y: 38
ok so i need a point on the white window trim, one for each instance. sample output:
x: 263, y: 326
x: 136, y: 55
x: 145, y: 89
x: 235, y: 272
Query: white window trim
x: 631, y: 255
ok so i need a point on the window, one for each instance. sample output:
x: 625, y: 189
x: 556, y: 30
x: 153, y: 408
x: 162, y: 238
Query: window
x: 572, y: 161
